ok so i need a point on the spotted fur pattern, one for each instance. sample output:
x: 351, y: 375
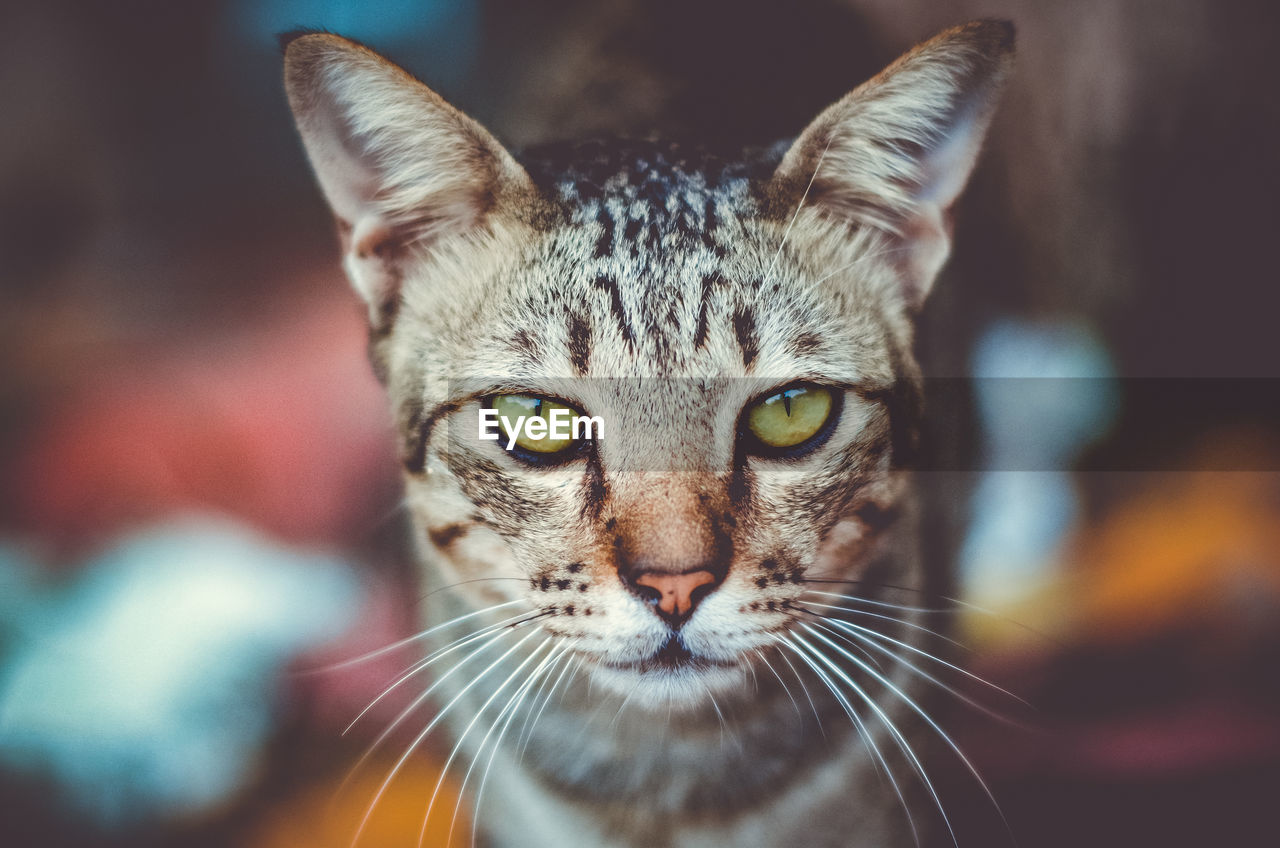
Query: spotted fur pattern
x: 662, y: 287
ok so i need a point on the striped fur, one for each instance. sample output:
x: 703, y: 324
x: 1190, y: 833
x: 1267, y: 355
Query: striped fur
x: 662, y: 287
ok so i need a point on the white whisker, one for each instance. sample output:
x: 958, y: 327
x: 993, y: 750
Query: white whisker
x: 413, y: 706
x: 570, y: 668
x: 408, y: 640
x: 781, y: 682
x: 866, y: 257
x: 719, y: 714
x: 904, y: 622
x: 462, y: 737
x: 805, y: 689
x: 803, y: 197
x: 541, y: 694
x: 882, y: 764
x: 399, y: 764
x: 883, y: 604
x: 512, y: 707
x: 959, y: 604
x: 868, y: 635
x: 424, y: 663
x: 918, y: 710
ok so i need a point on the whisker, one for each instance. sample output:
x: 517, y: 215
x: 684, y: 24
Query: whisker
x: 399, y: 764
x: 859, y: 725
x: 719, y: 714
x: 541, y: 693
x: 1045, y: 637
x: 378, y: 522
x: 512, y: 707
x: 462, y: 737
x: 781, y: 682
x: 413, y: 706
x: 849, y: 638
x: 570, y: 668
x: 805, y: 689
x: 893, y: 729
x: 409, y: 640
x: 468, y: 582
x: 755, y: 681
x: 882, y: 764
x: 920, y: 711
x: 803, y: 197
x: 822, y: 617
x: 874, y: 602
x: 630, y: 694
x: 876, y: 634
x: 868, y: 614
x: 497, y: 631
x: 424, y: 663
x: 866, y: 257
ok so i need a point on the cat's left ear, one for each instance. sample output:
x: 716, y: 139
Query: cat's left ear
x: 399, y: 166
x: 895, y: 153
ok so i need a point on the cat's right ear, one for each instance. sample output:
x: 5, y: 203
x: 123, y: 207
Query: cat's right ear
x: 400, y: 167
x: 894, y: 154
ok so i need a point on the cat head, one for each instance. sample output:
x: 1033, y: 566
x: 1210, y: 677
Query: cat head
x: 738, y: 328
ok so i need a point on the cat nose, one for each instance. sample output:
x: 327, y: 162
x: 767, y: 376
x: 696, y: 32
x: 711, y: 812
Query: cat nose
x: 674, y: 596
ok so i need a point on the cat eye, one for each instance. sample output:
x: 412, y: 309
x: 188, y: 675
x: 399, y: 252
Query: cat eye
x: 540, y: 427
x: 791, y: 421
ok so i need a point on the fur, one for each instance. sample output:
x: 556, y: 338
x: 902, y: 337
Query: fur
x: 663, y: 287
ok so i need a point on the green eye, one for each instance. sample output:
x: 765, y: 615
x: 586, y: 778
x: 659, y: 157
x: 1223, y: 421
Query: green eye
x: 790, y: 417
x: 539, y: 425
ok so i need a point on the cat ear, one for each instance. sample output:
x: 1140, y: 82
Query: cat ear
x: 398, y: 165
x: 895, y: 153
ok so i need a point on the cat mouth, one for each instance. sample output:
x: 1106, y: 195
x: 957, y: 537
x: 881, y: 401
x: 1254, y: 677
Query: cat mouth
x: 673, y: 656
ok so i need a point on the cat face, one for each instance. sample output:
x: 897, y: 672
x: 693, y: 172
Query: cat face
x: 739, y: 328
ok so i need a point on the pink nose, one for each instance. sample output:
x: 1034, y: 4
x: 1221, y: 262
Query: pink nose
x: 677, y: 593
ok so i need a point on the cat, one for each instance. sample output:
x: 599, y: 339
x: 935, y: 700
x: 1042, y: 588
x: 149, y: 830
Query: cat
x: 674, y: 630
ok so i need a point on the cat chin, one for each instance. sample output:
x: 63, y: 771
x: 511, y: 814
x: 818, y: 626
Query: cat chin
x: 688, y: 687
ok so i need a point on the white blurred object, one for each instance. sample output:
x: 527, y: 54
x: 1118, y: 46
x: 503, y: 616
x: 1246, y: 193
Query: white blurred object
x: 147, y: 688
x: 1044, y: 393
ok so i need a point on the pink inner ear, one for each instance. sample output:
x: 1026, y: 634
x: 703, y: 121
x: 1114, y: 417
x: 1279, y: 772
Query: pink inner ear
x: 926, y: 241
x: 946, y: 168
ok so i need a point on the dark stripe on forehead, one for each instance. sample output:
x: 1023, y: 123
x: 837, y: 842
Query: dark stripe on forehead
x: 806, y: 343
x: 579, y: 343
x: 604, y: 244
x: 744, y: 327
x: 524, y: 345
x: 710, y: 223
x: 700, y: 332
x: 610, y: 285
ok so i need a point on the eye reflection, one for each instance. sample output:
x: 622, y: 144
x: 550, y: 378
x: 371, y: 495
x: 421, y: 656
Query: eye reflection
x: 790, y: 418
x: 523, y: 408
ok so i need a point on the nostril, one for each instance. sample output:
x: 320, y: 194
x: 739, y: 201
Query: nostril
x: 673, y: 596
x: 648, y: 594
x: 700, y: 592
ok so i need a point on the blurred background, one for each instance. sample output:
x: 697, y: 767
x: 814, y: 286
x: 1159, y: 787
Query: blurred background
x: 199, y: 500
